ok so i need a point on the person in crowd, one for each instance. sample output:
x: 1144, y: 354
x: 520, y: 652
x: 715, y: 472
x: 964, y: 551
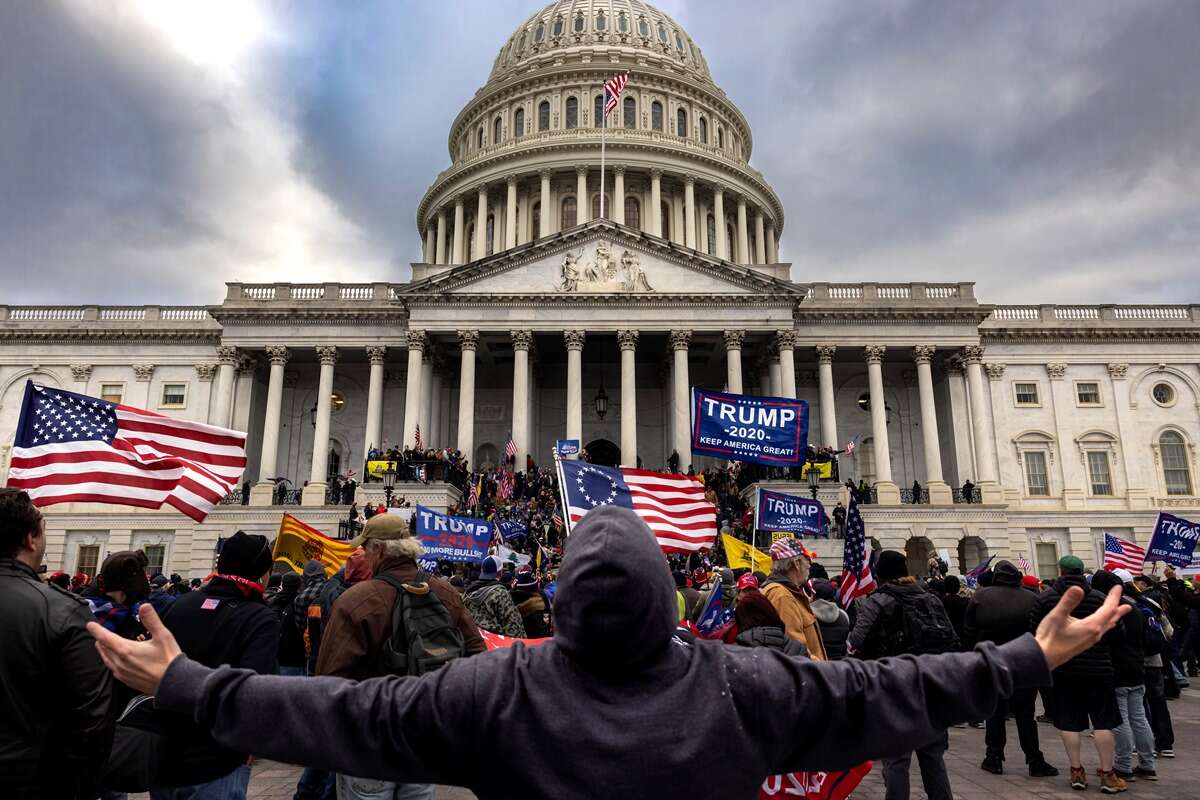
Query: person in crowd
x: 1185, y: 617
x: 1128, y: 653
x: 490, y: 604
x: 55, y: 734
x: 1084, y: 691
x: 308, y: 620
x: 1159, y: 633
x: 759, y: 625
x: 831, y: 617
x: 291, y: 653
x: 691, y: 597
x: 60, y: 579
x: 159, y: 597
x: 226, y: 621
x: 595, y: 685
x: 839, y: 519
x: 785, y: 589
x: 673, y: 462
x: 531, y: 604
x: 121, y: 586
x: 955, y: 603
x: 1000, y: 613
x: 968, y: 490
x: 79, y: 582
x: 916, y: 491
x: 361, y: 624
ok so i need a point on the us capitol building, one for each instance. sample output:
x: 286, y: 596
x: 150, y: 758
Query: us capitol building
x: 529, y: 312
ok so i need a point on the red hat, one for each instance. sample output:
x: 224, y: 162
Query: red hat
x: 1030, y: 581
x: 747, y: 581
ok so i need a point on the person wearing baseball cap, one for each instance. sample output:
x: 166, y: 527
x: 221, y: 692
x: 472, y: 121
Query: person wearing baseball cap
x: 785, y: 588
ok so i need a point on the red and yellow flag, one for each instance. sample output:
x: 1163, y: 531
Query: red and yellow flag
x: 298, y: 543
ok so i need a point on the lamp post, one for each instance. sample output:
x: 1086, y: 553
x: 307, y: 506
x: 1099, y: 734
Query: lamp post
x: 814, y: 479
x: 389, y: 482
x: 600, y: 402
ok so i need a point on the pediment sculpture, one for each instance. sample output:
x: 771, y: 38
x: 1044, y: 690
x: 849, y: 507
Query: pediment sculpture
x: 603, y: 273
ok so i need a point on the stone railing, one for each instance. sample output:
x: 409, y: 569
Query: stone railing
x: 308, y: 292
x: 1042, y: 314
x: 104, y: 314
x: 906, y: 292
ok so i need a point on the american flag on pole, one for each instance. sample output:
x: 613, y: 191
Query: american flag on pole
x: 73, y: 448
x: 417, y: 437
x: 1120, y: 553
x: 673, y: 506
x: 510, y: 449
x: 612, y: 91
x: 1023, y: 563
x: 857, y: 579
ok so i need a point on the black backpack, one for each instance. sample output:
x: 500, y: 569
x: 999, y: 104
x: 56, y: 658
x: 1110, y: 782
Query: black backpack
x: 423, y: 637
x: 918, y: 625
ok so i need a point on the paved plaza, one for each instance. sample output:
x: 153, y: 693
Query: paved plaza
x: 1178, y: 777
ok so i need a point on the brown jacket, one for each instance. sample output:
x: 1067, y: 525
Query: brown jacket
x: 361, y: 621
x: 798, y: 620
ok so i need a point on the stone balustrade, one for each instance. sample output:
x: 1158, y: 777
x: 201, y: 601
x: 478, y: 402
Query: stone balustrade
x: 40, y: 314
x: 1087, y: 316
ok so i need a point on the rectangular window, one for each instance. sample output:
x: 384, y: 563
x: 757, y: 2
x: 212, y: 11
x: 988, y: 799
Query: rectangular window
x: 1101, y: 476
x: 1035, y: 475
x: 1046, y: 554
x: 112, y: 392
x: 87, y: 559
x: 1027, y: 394
x: 1087, y: 394
x: 156, y: 554
x: 174, y: 395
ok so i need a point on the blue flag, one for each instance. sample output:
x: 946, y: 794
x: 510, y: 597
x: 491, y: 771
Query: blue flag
x: 741, y: 427
x: 511, y: 529
x: 448, y: 538
x: 784, y: 512
x: 1173, y: 541
x: 715, y: 616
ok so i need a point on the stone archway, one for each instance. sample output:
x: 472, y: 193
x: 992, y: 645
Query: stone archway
x: 972, y: 551
x: 918, y: 549
x: 603, y: 453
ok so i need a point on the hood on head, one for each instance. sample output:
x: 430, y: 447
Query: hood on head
x: 312, y: 570
x: 1005, y: 574
x: 826, y: 611
x: 615, y: 603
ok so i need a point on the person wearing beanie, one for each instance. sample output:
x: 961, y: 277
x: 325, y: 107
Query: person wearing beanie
x: 532, y: 605
x: 831, y: 617
x: 954, y: 602
x: 490, y: 603
x: 1000, y: 613
x: 159, y: 597
x: 785, y: 588
x: 312, y: 582
x: 901, y: 617
x: 1031, y: 583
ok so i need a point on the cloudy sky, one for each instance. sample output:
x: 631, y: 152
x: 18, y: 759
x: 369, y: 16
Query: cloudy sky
x: 152, y: 149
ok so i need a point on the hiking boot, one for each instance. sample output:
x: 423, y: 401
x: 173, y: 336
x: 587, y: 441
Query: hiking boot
x: 993, y: 765
x: 1042, y: 770
x: 1111, y: 782
x: 1078, y: 779
x: 1146, y: 774
x: 1128, y: 777
x: 1167, y: 752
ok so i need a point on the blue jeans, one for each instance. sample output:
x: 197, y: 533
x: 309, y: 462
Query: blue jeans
x: 292, y: 671
x: 231, y: 787
x: 316, y: 784
x: 1134, y: 730
x: 351, y: 788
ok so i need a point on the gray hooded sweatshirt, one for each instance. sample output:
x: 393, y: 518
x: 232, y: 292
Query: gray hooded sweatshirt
x: 598, y: 712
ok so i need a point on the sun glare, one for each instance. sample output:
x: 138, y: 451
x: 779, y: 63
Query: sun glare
x: 212, y: 33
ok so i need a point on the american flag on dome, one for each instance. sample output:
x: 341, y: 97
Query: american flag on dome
x: 71, y: 448
x: 612, y: 91
x: 857, y: 579
x: 673, y: 506
x: 1124, y: 554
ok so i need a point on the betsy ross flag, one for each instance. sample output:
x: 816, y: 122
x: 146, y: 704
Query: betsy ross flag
x: 612, y: 91
x: 73, y: 448
x: 1120, y: 553
x: 673, y: 506
x: 857, y: 579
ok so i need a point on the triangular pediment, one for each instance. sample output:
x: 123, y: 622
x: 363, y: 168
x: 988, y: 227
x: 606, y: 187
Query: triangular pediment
x: 602, y: 259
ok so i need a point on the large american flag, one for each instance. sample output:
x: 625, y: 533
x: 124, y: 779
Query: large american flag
x: 673, y: 506
x: 857, y: 579
x: 73, y: 448
x: 612, y: 91
x: 1120, y: 553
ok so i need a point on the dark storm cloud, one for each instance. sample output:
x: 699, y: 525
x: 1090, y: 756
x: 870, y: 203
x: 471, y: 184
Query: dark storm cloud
x: 1047, y: 151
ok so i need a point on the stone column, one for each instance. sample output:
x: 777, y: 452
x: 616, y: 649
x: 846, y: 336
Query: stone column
x: 785, y: 343
x: 459, y: 256
x: 775, y: 370
x: 440, y: 253
x: 481, y: 215
x: 702, y: 241
x: 618, y: 203
x: 722, y: 246
x: 772, y: 245
x: 498, y: 231
x: 628, y: 343
x: 743, y: 242
x: 733, y: 361
x: 583, y: 206
x: 1136, y: 492
x: 426, y: 395
x: 222, y: 414
x: 262, y: 493
x: 981, y: 428
x: 574, y: 340
x: 677, y: 221
x: 432, y: 436
x: 376, y: 354
x: 510, y: 215
x: 760, y: 238
x: 521, y: 341
x: 886, y: 489
x: 468, y: 342
x: 544, y: 222
x: 825, y: 353
x: 689, y: 213
x: 654, y: 213
x: 430, y: 243
x: 314, y: 492
x: 412, y: 386
x: 681, y: 401
x: 939, y: 490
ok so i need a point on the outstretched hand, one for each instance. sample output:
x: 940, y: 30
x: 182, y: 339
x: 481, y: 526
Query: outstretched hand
x: 1062, y: 637
x: 141, y: 664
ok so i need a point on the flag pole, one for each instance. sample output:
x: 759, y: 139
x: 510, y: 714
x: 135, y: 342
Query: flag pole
x: 603, y: 127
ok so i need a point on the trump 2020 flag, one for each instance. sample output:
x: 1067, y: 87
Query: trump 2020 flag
x: 741, y: 427
x: 673, y: 506
x: 71, y: 448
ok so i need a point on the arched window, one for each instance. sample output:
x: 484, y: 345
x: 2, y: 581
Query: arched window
x: 497, y: 130
x: 479, y: 140
x: 622, y: 23
x: 633, y: 213
x: 470, y: 241
x: 491, y: 233
x: 569, y: 214
x: 720, y: 137
x: 681, y: 122
x: 601, y: 22
x: 579, y: 23
x: 521, y: 41
x: 598, y: 111
x: 712, y: 234
x: 519, y: 122
x: 572, y: 112
x: 730, y: 240
x: 656, y: 116
x: 678, y: 42
x: 539, y: 32
x: 558, y: 25
x: 544, y: 115
x: 664, y: 220
x: 662, y: 33
x: 1177, y: 474
x: 629, y: 112
x: 703, y: 131
x: 596, y: 206
x: 535, y: 222
x: 643, y: 27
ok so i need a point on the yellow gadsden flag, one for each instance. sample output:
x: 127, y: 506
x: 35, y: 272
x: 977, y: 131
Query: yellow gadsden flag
x: 298, y: 543
x: 739, y: 555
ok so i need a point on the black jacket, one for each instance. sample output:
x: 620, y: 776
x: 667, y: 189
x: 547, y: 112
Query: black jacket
x: 956, y: 610
x: 999, y: 613
x: 291, y: 651
x: 835, y: 627
x: 1095, y: 662
x: 1128, y: 648
x: 56, y: 721
x: 613, y: 684
x: 535, y: 612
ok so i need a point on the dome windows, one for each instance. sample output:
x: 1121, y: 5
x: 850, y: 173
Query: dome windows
x: 622, y: 23
x: 720, y: 137
x: 572, y: 114
x: 598, y: 111
x: 579, y: 23
x: 629, y: 112
x: 539, y: 33
x: 558, y: 26
x: 544, y: 115
x: 601, y: 22
x: 679, y: 43
x: 497, y: 130
x: 479, y: 140
x: 569, y: 213
x: 703, y: 131
x: 656, y: 116
x: 681, y: 123
x: 644, y: 27
x: 519, y: 122
x: 662, y: 34
x: 521, y: 40
x: 633, y: 212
